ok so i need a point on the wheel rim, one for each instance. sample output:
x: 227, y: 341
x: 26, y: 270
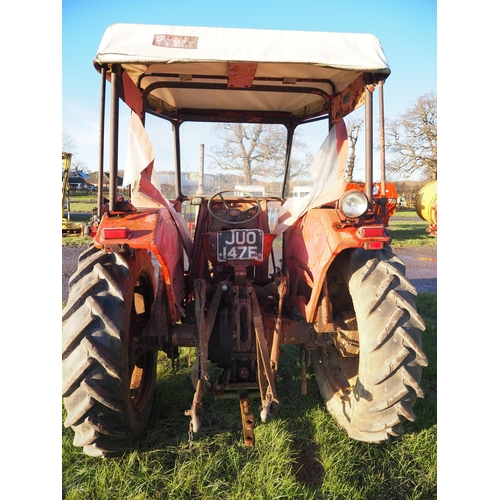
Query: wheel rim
x: 141, y: 356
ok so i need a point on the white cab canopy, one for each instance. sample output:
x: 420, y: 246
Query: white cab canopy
x: 319, y: 63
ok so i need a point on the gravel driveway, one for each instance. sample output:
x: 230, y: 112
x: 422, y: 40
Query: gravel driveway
x: 69, y: 263
x: 421, y: 266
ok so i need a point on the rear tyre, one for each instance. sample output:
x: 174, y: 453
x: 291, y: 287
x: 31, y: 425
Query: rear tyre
x: 370, y: 377
x: 109, y: 368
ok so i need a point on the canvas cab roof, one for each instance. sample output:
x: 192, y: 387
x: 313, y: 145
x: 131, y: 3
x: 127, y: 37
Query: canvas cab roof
x: 192, y: 72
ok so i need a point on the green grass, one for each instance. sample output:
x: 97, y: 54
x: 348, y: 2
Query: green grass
x: 79, y: 241
x: 300, y: 454
x: 82, y: 202
x: 407, y: 229
x: 82, y: 206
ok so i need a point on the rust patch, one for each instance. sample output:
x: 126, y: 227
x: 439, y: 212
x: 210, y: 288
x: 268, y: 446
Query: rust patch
x: 241, y: 75
x: 176, y: 41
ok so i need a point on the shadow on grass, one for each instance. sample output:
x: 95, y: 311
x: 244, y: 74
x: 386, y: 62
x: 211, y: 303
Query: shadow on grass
x: 168, y: 433
x: 318, y: 451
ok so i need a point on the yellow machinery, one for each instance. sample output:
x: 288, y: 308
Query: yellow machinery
x: 426, y: 206
x: 68, y: 227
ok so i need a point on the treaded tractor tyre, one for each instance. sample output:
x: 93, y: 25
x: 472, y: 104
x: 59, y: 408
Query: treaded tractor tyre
x: 370, y: 377
x: 109, y: 369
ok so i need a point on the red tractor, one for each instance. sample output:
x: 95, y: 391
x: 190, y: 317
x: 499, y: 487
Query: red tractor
x: 237, y: 274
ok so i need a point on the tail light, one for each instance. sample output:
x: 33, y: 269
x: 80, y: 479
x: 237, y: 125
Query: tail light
x: 372, y: 232
x: 376, y: 237
x: 119, y: 233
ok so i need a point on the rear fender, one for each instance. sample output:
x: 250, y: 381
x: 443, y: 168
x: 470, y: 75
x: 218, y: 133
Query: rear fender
x: 156, y: 231
x: 310, y: 246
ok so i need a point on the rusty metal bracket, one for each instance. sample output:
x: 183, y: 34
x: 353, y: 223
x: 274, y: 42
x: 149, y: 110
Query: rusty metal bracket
x: 205, y: 327
x: 305, y: 357
x: 269, y: 397
x: 206, y: 324
x: 158, y: 322
x: 242, y: 304
x: 275, y: 349
x: 324, y: 319
x: 247, y: 419
x: 196, y: 408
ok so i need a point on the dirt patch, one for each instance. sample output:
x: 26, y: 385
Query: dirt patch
x: 69, y: 264
x: 421, y: 266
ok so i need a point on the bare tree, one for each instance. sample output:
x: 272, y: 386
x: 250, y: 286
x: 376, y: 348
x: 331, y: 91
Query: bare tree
x: 257, y: 150
x: 412, y: 140
x: 69, y: 146
x: 353, y: 126
x: 301, y: 158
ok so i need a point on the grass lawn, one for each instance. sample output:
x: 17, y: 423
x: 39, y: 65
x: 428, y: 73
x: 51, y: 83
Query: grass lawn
x: 408, y: 230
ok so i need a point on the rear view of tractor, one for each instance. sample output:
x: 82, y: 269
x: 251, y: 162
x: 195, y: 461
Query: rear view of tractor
x: 257, y: 268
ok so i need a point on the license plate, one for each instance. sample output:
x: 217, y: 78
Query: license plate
x: 240, y: 244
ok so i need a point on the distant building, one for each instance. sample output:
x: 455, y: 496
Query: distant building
x: 76, y: 179
x: 93, y: 180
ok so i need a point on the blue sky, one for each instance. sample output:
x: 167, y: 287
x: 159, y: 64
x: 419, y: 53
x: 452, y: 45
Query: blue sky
x: 407, y: 30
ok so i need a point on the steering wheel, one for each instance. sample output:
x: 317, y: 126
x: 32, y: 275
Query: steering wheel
x: 234, y: 215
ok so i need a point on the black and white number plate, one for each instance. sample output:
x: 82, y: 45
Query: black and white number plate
x: 240, y: 244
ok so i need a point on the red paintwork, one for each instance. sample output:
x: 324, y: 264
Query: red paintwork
x: 351, y: 98
x: 132, y: 95
x: 154, y: 230
x: 310, y: 247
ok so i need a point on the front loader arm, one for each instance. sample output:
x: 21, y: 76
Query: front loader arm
x: 66, y: 161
